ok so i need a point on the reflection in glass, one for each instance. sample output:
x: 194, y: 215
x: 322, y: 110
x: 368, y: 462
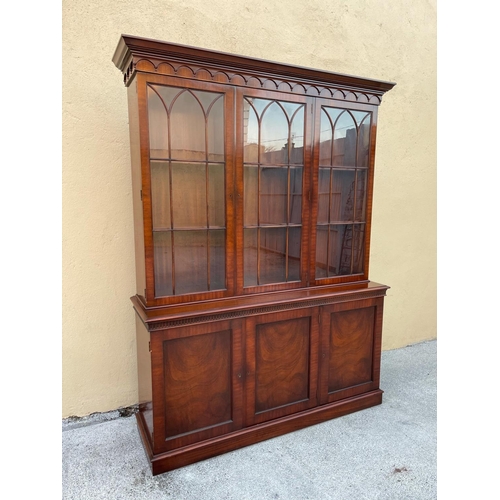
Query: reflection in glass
x: 336, y: 249
x: 273, y: 195
x: 250, y: 256
x: 274, y: 142
x: 158, y: 126
x: 321, y: 251
x: 216, y: 206
x: 191, y: 270
x: 342, y: 191
x: 325, y: 145
x: 162, y: 242
x: 342, y: 195
x: 189, y: 195
x: 274, y: 135
x: 361, y: 185
x: 297, y: 137
x: 160, y: 194
x: 333, y: 250
x: 359, y: 116
x: 250, y: 133
x: 187, y: 128
x: 273, y: 131
x: 324, y: 183
x: 295, y: 208
x: 215, y: 124
x: 294, y: 239
x: 344, y: 141
x: 217, y: 245
x: 272, y: 253
x: 358, y: 248
x: 250, y: 195
x: 364, y: 143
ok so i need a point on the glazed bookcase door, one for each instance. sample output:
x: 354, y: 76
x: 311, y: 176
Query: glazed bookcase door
x: 273, y: 164
x: 343, y: 181
x: 199, y: 394
x: 190, y: 175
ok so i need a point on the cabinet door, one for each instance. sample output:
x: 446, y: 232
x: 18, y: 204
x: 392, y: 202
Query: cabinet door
x: 343, y: 181
x: 197, y: 391
x: 281, y: 364
x: 187, y: 189
x: 350, y: 349
x: 272, y: 185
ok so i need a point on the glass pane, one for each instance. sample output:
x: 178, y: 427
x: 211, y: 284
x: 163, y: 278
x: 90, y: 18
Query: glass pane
x: 341, y: 208
x: 216, y: 209
x: 325, y: 144
x: 216, y: 131
x: 250, y: 195
x: 344, y: 135
x: 187, y: 128
x: 205, y: 98
x: 217, y: 259
x: 250, y: 133
x: 294, y: 235
x: 274, y: 135
x: 323, y: 194
x: 250, y: 257
x: 297, y: 137
x: 272, y: 253
x: 364, y: 143
x: 160, y: 194
x: 189, y: 195
x: 359, y: 116
x: 295, y: 195
x: 321, y: 251
x: 191, y: 269
x: 158, y: 126
x: 340, y: 240
x: 273, y: 195
x: 359, y: 248
x: 167, y: 94
x: 333, y: 113
x: 290, y: 108
x: 259, y: 104
x: 361, y: 195
x: 162, y: 243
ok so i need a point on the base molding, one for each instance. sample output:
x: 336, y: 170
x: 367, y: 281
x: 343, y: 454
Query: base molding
x: 202, y: 450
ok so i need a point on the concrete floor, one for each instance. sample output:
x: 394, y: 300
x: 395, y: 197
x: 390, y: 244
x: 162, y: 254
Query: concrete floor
x: 385, y: 452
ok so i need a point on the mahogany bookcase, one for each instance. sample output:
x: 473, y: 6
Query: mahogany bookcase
x: 252, y: 193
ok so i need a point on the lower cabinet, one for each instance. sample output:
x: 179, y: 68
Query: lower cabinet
x: 215, y: 386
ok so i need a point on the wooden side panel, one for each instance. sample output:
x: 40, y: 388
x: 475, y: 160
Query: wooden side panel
x: 281, y: 354
x: 145, y: 386
x: 197, y: 382
x: 351, y: 346
x: 135, y: 159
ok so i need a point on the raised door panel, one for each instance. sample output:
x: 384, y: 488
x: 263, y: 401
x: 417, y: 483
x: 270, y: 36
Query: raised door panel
x: 281, y: 354
x: 199, y: 394
x: 350, y: 346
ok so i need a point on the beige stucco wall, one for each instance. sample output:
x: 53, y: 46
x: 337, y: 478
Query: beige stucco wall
x: 381, y: 39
